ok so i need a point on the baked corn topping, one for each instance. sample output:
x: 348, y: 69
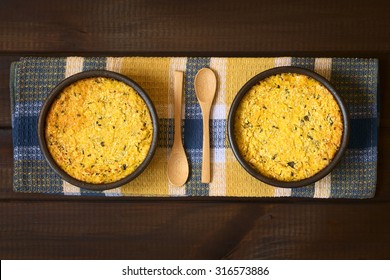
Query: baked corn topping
x: 99, y: 130
x: 288, y: 127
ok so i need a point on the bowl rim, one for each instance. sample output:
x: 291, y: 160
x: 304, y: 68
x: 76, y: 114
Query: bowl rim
x: 42, y: 124
x: 270, y: 181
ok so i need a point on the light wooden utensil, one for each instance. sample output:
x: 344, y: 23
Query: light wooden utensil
x: 205, y: 87
x: 178, y: 164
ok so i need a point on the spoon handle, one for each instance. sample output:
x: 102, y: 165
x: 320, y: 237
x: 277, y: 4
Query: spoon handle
x: 178, y: 91
x: 206, y: 145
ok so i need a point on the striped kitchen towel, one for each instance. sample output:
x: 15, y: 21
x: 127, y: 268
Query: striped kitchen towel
x: 355, y: 79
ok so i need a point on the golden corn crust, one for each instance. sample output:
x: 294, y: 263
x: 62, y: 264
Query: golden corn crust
x: 99, y: 130
x: 288, y: 127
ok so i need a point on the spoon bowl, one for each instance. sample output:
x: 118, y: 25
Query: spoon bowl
x: 205, y: 86
x: 178, y: 167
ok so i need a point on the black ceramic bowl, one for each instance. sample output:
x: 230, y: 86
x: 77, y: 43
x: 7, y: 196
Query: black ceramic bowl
x: 42, y: 123
x: 248, y: 167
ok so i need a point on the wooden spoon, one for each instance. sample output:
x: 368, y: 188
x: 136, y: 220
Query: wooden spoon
x: 205, y: 87
x: 178, y: 164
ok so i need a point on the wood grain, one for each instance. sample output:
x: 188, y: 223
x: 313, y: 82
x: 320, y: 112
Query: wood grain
x: 35, y: 226
x: 190, y: 230
x: 228, y: 27
x: 5, y: 106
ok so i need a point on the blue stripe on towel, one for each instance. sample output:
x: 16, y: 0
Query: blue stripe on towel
x: 303, y: 192
x: 363, y: 133
x: 94, y: 63
x: 25, y: 131
x: 304, y: 62
x: 193, y: 129
x: 194, y: 140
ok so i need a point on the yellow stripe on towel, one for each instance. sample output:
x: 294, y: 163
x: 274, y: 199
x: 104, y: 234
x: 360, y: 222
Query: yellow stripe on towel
x: 238, y: 181
x: 152, y: 182
x: 152, y: 75
x: 74, y: 65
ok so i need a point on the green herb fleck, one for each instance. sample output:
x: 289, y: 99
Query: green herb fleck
x: 291, y: 164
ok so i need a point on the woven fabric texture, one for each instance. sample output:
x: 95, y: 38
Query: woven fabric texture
x: 355, y: 79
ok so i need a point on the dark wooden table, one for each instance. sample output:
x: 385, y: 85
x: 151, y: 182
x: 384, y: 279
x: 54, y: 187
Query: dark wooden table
x: 46, y: 227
